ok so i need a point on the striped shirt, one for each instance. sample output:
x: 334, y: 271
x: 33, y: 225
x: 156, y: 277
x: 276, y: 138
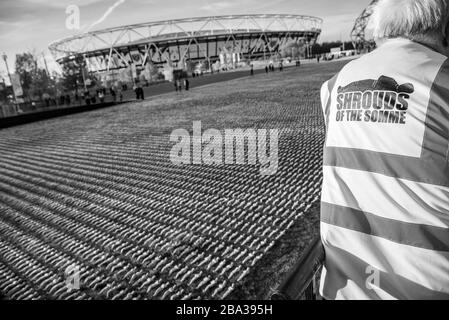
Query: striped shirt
x: 385, y: 195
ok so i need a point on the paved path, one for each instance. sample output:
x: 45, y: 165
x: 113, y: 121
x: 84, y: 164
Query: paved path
x: 194, y: 82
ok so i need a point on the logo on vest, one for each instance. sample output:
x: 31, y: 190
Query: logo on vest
x: 379, y: 101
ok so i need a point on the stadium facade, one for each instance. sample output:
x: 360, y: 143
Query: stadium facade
x: 173, y: 43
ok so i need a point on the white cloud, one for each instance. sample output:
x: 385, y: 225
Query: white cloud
x: 337, y: 27
x: 10, y: 23
x: 12, y: 28
x: 237, y: 6
x: 63, y: 3
x: 217, y: 6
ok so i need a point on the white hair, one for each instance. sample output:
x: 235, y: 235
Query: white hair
x: 410, y: 18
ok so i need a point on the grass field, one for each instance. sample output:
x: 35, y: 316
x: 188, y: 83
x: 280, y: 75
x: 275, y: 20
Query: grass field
x: 97, y: 190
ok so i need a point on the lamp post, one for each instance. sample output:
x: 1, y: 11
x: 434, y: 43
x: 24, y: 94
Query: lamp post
x: 5, y: 58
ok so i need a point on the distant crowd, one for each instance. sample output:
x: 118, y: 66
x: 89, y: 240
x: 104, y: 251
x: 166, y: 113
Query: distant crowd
x: 87, y: 97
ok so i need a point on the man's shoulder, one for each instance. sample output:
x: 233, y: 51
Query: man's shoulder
x: 384, y: 64
x: 351, y: 65
x: 330, y: 83
x: 443, y: 74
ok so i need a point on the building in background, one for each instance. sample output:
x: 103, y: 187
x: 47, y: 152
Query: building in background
x: 211, y: 42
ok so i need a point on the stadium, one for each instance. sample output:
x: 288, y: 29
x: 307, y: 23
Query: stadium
x: 173, y: 43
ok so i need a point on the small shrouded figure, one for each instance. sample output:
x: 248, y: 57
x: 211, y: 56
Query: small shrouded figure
x: 87, y: 97
x: 101, y: 96
x: 139, y: 92
x: 113, y: 94
x: 385, y: 194
x: 46, y: 97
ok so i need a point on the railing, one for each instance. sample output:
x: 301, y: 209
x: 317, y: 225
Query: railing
x: 301, y: 283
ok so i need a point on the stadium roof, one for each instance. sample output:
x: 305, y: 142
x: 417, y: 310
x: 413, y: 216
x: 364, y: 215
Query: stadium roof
x: 190, y: 27
x: 176, y: 41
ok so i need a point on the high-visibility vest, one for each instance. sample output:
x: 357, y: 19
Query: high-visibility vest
x: 385, y: 195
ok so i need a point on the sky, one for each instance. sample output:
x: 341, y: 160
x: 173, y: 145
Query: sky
x: 30, y: 25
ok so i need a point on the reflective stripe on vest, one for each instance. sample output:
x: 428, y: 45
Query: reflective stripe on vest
x: 385, y: 197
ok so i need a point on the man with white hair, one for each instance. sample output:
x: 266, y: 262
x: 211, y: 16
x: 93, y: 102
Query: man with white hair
x: 385, y: 196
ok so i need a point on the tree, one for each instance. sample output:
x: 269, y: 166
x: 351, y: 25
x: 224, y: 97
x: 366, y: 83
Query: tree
x: 4, y: 91
x: 73, y: 75
x: 26, y: 68
x: 34, y: 80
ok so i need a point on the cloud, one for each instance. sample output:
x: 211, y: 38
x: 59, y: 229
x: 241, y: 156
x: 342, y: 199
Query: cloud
x: 62, y: 3
x: 10, y: 23
x: 106, y: 14
x: 217, y: 6
x: 10, y: 29
x: 243, y: 7
x: 338, y: 27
